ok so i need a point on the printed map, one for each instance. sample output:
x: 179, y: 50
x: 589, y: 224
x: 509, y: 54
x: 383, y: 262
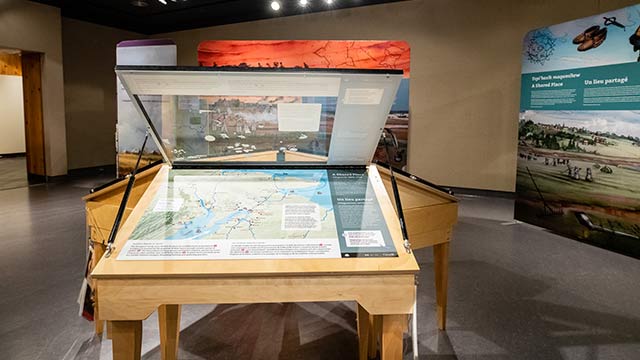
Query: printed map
x: 241, y: 204
x: 261, y: 214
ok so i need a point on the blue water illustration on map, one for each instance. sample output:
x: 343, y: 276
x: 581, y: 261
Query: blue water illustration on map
x: 202, y: 226
x: 320, y: 194
x: 193, y: 228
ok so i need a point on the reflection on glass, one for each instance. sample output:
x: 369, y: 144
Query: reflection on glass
x: 240, y: 128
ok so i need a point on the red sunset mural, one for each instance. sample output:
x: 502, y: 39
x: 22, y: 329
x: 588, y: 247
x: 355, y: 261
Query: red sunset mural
x: 341, y: 54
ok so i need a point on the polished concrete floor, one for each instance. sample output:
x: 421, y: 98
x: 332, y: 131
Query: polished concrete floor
x: 516, y: 292
x: 13, y: 172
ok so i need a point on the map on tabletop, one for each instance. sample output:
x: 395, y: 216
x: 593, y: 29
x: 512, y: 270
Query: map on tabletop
x: 261, y: 214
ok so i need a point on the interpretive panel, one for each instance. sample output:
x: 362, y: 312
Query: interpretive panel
x: 579, y: 130
x: 262, y: 214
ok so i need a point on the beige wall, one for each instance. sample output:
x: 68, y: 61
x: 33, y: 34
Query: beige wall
x: 11, y: 115
x: 465, y: 72
x: 33, y: 27
x: 90, y: 91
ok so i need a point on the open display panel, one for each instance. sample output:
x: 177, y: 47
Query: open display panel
x: 333, y: 117
x: 265, y: 163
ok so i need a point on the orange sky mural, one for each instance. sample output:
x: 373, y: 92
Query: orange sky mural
x: 365, y: 54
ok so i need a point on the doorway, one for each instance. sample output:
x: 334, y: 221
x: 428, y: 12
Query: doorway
x: 22, y: 151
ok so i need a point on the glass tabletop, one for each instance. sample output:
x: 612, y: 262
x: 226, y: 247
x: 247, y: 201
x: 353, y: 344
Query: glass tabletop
x: 262, y: 214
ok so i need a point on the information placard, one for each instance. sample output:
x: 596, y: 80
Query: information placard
x: 261, y: 214
x: 579, y: 130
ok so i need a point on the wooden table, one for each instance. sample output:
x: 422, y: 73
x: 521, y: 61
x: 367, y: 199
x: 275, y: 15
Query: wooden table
x: 430, y: 213
x: 130, y: 291
x: 101, y: 206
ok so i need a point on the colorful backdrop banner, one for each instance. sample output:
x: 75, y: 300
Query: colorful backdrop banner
x: 339, y: 54
x: 579, y: 130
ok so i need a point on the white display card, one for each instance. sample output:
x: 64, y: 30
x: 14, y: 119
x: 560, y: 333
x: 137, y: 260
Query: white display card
x: 364, y: 238
x: 299, y: 117
x: 356, y: 96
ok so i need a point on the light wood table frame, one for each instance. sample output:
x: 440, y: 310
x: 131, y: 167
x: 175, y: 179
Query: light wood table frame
x: 430, y: 215
x: 130, y: 291
x: 101, y: 207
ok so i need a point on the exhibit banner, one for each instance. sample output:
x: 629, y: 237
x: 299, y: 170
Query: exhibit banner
x: 131, y: 127
x: 579, y: 130
x: 340, y: 54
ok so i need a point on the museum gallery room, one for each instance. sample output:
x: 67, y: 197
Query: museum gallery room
x: 319, y: 179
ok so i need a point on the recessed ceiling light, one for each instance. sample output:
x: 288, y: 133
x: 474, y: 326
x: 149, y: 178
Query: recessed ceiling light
x: 329, y: 2
x: 275, y: 5
x: 139, y: 3
x: 303, y: 2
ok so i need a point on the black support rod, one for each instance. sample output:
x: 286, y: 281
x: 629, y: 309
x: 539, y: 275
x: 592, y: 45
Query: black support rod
x: 125, y: 199
x: 396, y: 195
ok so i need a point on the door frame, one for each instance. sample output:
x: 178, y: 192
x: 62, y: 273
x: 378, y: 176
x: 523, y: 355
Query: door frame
x: 33, y: 116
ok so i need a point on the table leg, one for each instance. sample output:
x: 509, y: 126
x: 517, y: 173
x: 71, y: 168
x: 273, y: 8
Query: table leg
x: 393, y: 327
x: 169, y: 322
x: 441, y: 270
x: 375, y: 322
x: 127, y: 339
x: 98, y: 251
x: 109, y: 330
x: 99, y: 325
x: 364, y: 332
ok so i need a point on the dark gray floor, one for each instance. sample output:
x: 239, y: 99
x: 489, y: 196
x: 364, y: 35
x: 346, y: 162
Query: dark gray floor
x: 516, y: 292
x: 13, y: 172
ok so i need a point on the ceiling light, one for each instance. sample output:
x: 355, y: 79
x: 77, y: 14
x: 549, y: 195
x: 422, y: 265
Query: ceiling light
x: 139, y: 3
x: 303, y: 2
x: 163, y: 2
x: 329, y: 1
x: 275, y: 5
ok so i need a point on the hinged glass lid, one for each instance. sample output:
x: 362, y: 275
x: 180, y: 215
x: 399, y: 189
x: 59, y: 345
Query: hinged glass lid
x: 202, y: 115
